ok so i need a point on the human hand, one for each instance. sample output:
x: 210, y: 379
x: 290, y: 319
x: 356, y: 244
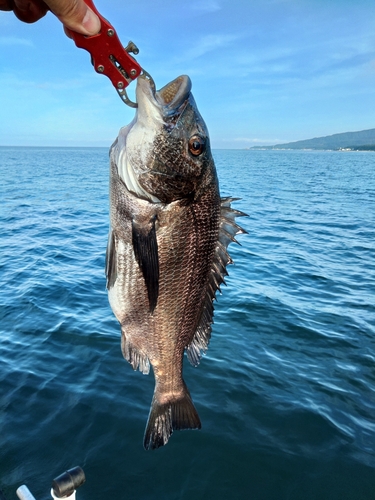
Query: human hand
x: 74, y: 14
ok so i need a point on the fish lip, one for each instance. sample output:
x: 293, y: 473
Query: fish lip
x: 169, y: 98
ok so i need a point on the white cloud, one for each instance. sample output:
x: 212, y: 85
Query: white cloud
x: 209, y: 43
x: 206, y: 6
x: 13, y: 40
x: 28, y: 86
x: 255, y: 140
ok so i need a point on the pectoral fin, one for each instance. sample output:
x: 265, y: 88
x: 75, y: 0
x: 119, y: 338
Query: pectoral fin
x: 146, y: 252
x: 111, y: 260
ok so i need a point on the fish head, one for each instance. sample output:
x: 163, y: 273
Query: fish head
x: 164, y: 154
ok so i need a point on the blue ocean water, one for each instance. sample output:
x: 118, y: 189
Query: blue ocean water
x: 286, y: 392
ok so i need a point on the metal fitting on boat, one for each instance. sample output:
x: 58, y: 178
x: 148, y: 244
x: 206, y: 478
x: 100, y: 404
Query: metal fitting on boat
x: 64, y: 486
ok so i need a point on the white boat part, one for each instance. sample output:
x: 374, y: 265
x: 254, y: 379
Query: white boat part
x: 24, y: 493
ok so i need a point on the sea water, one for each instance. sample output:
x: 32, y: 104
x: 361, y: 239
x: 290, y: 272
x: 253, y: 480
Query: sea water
x: 286, y: 392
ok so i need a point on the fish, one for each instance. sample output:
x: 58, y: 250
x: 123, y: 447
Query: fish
x: 167, y: 246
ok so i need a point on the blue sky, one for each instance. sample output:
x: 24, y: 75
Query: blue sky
x: 263, y: 71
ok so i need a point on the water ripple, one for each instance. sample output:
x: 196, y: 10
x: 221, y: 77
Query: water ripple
x: 287, y: 388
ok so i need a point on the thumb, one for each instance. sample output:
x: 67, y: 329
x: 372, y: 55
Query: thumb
x: 75, y: 15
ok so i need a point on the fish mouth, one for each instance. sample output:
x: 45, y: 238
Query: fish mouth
x: 170, y: 97
x: 175, y: 93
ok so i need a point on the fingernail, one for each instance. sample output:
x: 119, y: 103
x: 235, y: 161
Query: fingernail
x: 91, y: 22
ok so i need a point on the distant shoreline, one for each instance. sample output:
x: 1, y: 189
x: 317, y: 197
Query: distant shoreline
x: 363, y: 140
x: 339, y: 150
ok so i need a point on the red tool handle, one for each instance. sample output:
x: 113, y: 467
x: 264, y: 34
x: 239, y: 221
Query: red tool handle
x: 108, y: 55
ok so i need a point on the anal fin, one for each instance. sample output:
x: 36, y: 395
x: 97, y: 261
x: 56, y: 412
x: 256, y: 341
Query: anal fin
x: 138, y: 360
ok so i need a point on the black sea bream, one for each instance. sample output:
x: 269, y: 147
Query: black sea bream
x: 167, y: 248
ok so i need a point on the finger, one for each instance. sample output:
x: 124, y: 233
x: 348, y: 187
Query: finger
x: 67, y: 32
x: 29, y: 11
x: 6, y: 5
x: 75, y: 15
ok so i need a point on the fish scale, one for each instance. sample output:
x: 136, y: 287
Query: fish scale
x: 167, y: 248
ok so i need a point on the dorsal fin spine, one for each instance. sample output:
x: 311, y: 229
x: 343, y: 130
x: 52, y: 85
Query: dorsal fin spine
x: 228, y: 228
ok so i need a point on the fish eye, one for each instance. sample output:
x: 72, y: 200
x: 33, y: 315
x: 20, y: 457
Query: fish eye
x: 196, y: 145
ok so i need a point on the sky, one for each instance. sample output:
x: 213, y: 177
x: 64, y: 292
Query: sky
x: 263, y: 71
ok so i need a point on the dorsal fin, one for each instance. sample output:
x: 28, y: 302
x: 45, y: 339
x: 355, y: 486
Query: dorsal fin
x: 228, y: 229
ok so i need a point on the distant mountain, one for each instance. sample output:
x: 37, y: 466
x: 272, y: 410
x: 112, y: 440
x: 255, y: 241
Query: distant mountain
x: 364, y: 140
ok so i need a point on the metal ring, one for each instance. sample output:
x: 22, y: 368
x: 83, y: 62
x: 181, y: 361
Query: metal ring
x: 149, y: 77
x: 124, y: 96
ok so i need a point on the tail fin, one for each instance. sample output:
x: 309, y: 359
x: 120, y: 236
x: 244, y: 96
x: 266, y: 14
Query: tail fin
x: 163, y: 419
